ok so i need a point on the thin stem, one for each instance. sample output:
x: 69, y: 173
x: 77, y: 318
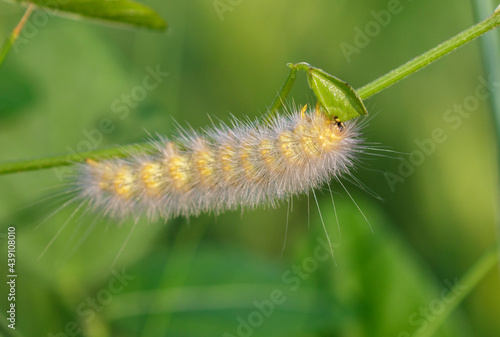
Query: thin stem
x: 9, y: 42
x: 364, y: 92
x: 428, y: 57
x: 69, y: 159
x: 490, y: 52
x: 462, y: 288
x: 283, y: 93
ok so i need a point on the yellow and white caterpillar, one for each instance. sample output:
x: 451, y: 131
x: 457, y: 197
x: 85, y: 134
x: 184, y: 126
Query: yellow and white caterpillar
x: 245, y: 165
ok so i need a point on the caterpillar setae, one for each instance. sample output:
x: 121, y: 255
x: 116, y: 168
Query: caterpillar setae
x: 222, y: 168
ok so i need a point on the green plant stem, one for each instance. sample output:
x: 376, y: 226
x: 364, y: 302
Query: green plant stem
x: 9, y: 42
x: 428, y: 57
x: 464, y: 286
x: 364, y: 92
x: 69, y: 159
x: 283, y: 93
x: 490, y: 52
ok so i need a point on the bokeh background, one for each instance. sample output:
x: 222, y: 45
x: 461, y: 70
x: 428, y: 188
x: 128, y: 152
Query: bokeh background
x: 202, y: 276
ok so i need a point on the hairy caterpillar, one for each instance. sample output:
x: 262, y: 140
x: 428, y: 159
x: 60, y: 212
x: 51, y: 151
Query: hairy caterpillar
x: 245, y: 165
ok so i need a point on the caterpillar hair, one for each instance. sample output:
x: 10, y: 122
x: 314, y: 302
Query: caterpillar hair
x: 246, y: 165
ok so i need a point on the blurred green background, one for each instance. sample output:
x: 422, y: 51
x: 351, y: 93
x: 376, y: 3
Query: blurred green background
x: 204, y: 276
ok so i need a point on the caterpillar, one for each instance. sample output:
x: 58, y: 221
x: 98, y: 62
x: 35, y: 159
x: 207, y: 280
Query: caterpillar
x: 247, y: 164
